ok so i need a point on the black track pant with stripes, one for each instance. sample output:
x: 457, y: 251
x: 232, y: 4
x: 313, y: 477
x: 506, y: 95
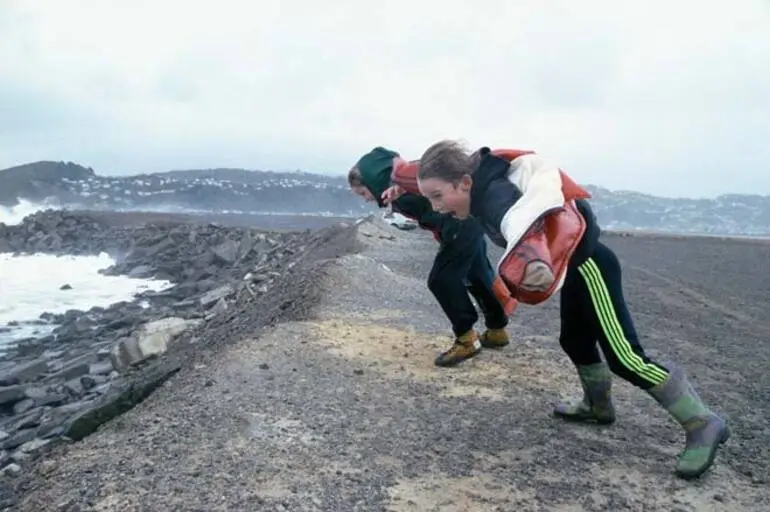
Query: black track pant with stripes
x: 593, y: 310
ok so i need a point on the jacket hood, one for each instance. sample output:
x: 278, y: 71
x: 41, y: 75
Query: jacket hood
x: 490, y: 168
x: 375, y: 168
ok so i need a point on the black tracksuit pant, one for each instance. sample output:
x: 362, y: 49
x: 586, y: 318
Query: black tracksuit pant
x: 462, y: 266
x: 593, y: 309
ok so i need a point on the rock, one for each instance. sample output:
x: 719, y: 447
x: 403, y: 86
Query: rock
x: 219, y: 308
x: 118, y: 400
x: 91, y: 381
x: 26, y: 371
x: 23, y: 406
x: 256, y: 278
x: 34, y: 445
x: 74, y: 387
x: 141, y: 271
x: 160, y: 247
x: 216, y: 295
x: 19, y: 438
x: 65, y: 287
x: 11, y: 394
x: 75, y: 368
x: 29, y: 419
x: 102, y: 368
x: 20, y: 457
x: 11, y: 469
x: 49, y: 400
x: 34, y: 392
x: 226, y: 252
x: 150, y: 340
x: 52, y: 354
x: 245, y: 247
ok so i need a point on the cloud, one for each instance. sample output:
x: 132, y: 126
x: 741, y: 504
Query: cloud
x: 663, y: 97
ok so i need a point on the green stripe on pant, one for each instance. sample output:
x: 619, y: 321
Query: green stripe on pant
x: 612, y: 328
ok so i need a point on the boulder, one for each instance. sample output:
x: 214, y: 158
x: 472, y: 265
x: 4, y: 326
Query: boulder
x: 151, y: 339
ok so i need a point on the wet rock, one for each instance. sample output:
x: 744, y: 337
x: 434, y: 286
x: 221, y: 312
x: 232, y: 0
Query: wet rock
x: 141, y: 271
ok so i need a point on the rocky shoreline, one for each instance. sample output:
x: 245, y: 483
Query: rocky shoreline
x: 98, y: 363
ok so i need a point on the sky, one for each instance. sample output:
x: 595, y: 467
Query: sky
x: 668, y: 97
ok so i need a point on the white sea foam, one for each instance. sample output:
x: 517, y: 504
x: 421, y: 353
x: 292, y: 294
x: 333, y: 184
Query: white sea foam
x: 12, y: 215
x: 30, y: 285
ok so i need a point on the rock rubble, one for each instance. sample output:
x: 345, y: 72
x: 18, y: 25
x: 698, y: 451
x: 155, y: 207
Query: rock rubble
x: 98, y: 363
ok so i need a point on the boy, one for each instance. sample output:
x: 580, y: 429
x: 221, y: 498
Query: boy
x: 461, y: 258
x: 551, y: 236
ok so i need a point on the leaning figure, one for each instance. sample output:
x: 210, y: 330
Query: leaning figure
x: 461, y: 265
x: 545, y: 223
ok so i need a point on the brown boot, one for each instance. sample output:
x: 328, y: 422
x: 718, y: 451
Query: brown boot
x: 494, y: 338
x: 465, y: 347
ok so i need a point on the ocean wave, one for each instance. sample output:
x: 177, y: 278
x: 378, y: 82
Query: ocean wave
x: 13, y: 215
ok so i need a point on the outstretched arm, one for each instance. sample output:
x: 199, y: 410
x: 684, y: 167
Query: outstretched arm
x: 403, y: 179
x: 404, y: 175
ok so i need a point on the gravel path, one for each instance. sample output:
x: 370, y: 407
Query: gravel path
x: 343, y: 409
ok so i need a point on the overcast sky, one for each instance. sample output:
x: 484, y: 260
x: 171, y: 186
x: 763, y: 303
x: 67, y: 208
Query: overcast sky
x: 670, y: 97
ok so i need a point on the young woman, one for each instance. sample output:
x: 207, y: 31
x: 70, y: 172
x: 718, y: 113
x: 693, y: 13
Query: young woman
x: 461, y: 264
x: 551, y: 236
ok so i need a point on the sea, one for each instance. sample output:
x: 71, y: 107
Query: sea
x: 31, y: 285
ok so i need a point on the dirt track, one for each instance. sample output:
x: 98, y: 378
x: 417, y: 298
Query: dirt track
x: 346, y: 411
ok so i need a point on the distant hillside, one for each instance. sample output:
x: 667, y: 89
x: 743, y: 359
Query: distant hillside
x: 250, y: 177
x: 240, y: 190
x: 231, y: 190
x: 39, y: 179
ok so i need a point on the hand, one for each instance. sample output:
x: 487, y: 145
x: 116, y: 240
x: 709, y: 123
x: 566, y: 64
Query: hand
x: 392, y: 193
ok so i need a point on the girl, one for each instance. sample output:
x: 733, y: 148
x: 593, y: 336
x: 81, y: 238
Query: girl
x: 544, y: 221
x: 461, y: 264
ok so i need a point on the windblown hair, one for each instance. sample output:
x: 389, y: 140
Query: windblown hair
x: 354, y: 178
x: 446, y: 160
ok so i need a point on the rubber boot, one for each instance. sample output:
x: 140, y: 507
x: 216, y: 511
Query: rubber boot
x: 596, y: 405
x: 464, y: 347
x: 705, y: 431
